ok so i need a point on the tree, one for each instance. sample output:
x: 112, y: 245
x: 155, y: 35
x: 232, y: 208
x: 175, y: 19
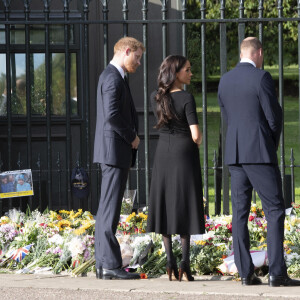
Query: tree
x: 270, y: 33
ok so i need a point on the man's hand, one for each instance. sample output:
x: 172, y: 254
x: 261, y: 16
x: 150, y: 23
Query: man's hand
x: 135, y: 143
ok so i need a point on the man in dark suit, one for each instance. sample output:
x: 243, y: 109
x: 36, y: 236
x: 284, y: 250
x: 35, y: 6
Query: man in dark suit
x: 116, y: 142
x: 253, y: 115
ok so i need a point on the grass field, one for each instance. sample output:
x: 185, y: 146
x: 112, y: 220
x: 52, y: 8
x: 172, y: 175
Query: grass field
x: 291, y: 132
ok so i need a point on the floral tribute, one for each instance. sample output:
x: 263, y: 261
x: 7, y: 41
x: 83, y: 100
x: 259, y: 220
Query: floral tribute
x: 58, y: 240
x: 64, y: 240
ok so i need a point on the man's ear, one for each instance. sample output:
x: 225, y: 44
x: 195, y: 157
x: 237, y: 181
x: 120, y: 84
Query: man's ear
x: 128, y: 50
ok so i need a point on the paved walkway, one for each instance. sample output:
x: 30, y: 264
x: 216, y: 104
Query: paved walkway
x: 48, y: 286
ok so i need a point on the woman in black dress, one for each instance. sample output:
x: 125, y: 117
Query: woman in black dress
x: 176, y: 196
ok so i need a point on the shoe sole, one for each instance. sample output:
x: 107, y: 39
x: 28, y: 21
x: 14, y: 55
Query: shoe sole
x: 106, y: 277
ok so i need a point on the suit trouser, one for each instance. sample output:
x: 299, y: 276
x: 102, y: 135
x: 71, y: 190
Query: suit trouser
x: 107, y: 248
x: 266, y: 180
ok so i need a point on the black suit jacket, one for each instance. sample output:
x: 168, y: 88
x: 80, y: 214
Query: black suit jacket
x: 253, y: 115
x: 117, y: 122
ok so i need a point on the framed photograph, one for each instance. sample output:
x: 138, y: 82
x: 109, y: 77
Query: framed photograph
x: 16, y: 184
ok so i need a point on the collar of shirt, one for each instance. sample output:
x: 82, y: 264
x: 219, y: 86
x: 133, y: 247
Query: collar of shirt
x: 118, y: 67
x: 247, y: 60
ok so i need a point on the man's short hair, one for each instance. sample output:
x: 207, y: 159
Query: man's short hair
x: 128, y: 42
x: 251, y: 43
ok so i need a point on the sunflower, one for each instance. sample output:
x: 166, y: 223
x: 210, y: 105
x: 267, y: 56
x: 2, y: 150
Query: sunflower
x: 143, y: 216
x: 63, y: 224
x: 79, y: 213
x: 130, y: 217
x: 65, y: 212
x: 53, y: 215
x: 81, y: 230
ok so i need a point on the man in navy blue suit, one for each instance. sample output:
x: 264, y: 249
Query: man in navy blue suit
x: 253, y: 115
x: 116, y: 142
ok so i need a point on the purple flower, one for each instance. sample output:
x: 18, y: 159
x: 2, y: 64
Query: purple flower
x: 86, y: 254
x: 8, y: 232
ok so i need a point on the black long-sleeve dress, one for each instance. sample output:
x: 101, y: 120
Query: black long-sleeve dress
x: 176, y: 196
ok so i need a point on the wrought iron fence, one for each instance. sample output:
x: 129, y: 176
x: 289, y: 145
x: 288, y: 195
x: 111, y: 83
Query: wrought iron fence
x: 50, y: 132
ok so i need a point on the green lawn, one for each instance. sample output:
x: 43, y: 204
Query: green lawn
x: 291, y: 137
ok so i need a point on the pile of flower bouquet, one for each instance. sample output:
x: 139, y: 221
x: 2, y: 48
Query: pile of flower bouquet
x: 52, y: 240
x: 64, y: 240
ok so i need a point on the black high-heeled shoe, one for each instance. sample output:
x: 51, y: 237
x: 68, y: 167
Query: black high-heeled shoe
x: 172, y: 271
x: 186, y: 271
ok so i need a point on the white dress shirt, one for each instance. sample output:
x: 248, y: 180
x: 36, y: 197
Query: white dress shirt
x: 248, y: 60
x: 118, y: 67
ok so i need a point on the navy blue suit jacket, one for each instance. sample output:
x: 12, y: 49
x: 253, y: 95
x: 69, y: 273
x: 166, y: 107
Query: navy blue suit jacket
x: 117, y: 122
x: 253, y: 115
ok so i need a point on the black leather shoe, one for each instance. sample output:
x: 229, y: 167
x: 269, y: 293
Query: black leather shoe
x: 283, y: 280
x: 251, y: 280
x: 99, y: 273
x: 118, y: 274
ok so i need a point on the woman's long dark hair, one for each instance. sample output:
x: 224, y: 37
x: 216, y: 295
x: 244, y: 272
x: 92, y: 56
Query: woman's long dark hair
x: 166, y: 78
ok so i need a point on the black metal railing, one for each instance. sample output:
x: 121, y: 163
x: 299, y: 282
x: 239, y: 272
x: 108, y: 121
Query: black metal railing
x: 54, y: 143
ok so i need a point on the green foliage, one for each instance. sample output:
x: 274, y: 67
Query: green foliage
x: 206, y: 258
x: 270, y: 33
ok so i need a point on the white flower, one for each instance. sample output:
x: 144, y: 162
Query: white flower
x: 76, y: 246
x: 56, y: 239
x: 16, y: 216
x: 290, y: 258
x: 141, y: 240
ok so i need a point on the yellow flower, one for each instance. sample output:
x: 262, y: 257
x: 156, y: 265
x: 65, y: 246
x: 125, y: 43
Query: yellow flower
x: 130, y: 217
x: 253, y: 209
x: 201, y: 242
x: 289, y: 251
x: 79, y: 231
x: 53, y: 215
x: 85, y: 225
x: 287, y: 227
x: 160, y: 252
x: 66, y: 212
x: 87, y: 215
x: 262, y: 246
x: 63, y: 224
x: 143, y: 216
x: 4, y: 220
x: 79, y: 213
x: 262, y: 239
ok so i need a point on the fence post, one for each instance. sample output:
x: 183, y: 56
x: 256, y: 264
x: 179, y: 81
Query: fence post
x: 260, y: 24
x: 280, y: 70
x: 105, y: 31
x: 217, y: 190
x: 146, y: 103
x: 8, y: 90
x: 241, y: 26
x: 68, y: 106
x: 48, y: 98
x: 125, y: 17
x: 223, y: 60
x: 299, y: 60
x: 183, y: 17
x: 292, y: 159
x: 204, y: 105
x: 87, y: 92
x: 164, y: 27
